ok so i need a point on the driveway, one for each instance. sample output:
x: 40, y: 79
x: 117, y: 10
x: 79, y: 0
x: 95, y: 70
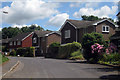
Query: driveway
x: 40, y: 67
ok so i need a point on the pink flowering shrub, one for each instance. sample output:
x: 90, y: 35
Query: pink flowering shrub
x: 111, y: 49
x: 97, y: 48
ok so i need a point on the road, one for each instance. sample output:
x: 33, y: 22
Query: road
x: 40, y: 67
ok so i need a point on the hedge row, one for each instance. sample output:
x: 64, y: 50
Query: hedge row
x: 26, y: 52
x: 66, y: 50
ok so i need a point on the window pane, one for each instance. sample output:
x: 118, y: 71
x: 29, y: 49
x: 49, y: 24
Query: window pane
x: 107, y: 28
x: 103, y: 28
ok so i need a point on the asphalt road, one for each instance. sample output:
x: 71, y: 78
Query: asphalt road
x: 39, y: 67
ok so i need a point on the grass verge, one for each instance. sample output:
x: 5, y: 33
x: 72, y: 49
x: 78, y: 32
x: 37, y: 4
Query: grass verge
x: 3, y: 58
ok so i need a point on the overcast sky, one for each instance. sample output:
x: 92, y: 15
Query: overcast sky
x: 51, y: 15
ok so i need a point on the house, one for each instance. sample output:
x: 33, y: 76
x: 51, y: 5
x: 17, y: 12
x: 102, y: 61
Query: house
x: 42, y: 39
x: 21, y: 40
x: 5, y: 44
x: 116, y: 37
x: 73, y: 30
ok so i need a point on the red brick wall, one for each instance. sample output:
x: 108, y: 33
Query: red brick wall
x: 27, y: 42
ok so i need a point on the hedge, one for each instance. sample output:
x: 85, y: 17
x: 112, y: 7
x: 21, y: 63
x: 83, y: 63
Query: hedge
x: 26, y: 52
x: 66, y: 50
x: 53, y: 50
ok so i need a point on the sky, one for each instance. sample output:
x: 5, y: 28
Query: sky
x: 52, y: 15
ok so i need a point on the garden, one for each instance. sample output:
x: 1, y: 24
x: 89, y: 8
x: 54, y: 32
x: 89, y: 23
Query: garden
x: 93, y: 48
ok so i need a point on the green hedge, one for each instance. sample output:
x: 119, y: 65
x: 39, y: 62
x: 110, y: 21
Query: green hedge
x: 77, y: 55
x: 66, y: 50
x: 26, y: 52
x: 53, y: 50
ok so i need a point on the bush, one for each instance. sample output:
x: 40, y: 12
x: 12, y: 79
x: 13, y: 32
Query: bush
x: 5, y: 49
x: 77, y: 55
x: 53, y: 50
x: 88, y: 40
x: 113, y: 58
x: 13, y: 52
x: 3, y: 58
x: 66, y: 50
x: 26, y: 52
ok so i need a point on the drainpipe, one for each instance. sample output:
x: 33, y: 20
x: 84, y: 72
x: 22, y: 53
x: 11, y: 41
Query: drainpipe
x: 76, y: 35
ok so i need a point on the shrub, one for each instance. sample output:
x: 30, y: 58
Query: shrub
x: 3, y: 58
x: 13, y: 52
x: 5, y: 49
x: 53, y: 50
x: 66, y: 50
x: 97, y: 51
x: 90, y: 39
x: 77, y: 55
x: 26, y: 52
x: 113, y: 58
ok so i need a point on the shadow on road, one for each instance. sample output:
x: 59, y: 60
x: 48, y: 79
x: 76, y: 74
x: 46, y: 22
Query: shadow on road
x: 77, y: 62
x: 110, y: 77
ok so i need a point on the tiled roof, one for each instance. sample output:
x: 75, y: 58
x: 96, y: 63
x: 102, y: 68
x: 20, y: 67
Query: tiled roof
x: 81, y: 23
x: 41, y: 33
x: 6, y: 40
x: 20, y: 36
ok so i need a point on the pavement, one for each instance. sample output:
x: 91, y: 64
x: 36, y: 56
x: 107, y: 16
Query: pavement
x: 8, y: 65
x: 39, y: 67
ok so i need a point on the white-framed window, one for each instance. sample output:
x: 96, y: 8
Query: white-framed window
x: 118, y: 43
x: 18, y: 43
x: 105, y: 28
x: 11, y: 44
x: 67, y: 34
x: 14, y: 43
x: 35, y: 40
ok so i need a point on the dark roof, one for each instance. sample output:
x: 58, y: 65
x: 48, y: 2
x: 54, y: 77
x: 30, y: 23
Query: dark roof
x: 6, y: 40
x: 41, y: 33
x: 118, y: 14
x: 81, y: 23
x: 20, y: 36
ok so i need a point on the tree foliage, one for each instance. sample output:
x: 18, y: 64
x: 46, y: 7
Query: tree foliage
x: 11, y: 32
x: 88, y: 40
x: 93, y: 18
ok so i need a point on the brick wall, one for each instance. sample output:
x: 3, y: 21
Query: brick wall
x: 106, y: 35
x: 27, y: 42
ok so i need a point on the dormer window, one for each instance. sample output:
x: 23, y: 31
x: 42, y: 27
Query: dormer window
x: 35, y: 40
x: 105, y: 28
x: 67, y: 34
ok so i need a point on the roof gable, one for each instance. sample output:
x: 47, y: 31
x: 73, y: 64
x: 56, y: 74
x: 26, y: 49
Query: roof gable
x: 83, y: 24
x: 21, y: 37
x: 41, y: 33
x: 54, y: 32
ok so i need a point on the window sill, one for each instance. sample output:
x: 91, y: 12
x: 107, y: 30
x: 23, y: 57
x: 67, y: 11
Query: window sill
x: 105, y: 31
x: 67, y: 37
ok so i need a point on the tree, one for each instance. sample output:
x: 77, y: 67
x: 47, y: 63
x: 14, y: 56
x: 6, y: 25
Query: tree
x: 89, y: 18
x: 93, y: 18
x: 10, y: 32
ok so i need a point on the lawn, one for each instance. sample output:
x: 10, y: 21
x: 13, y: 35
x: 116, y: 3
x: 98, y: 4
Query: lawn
x: 3, y: 59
